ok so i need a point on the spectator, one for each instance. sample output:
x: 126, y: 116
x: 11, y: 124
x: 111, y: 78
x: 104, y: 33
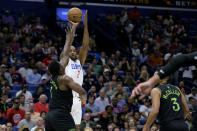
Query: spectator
x: 34, y: 115
x: 27, y: 94
x: 192, y: 103
x: 134, y: 14
x: 134, y: 70
x: 91, y: 105
x: 106, y: 75
x: 129, y: 80
x: 116, y: 108
x: 103, y: 121
x: 3, y: 120
x: 192, y: 94
x: 102, y: 101
x: 27, y: 121
x: 3, y: 71
x: 154, y: 127
x: 47, y: 60
x: 145, y: 109
x: 3, y: 104
x: 33, y: 77
x: 43, y: 115
x: 124, y: 64
x: 119, y: 89
x: 135, y: 50
x: 9, y: 126
x: 3, y: 127
x: 144, y: 76
x: 25, y: 70
x: 155, y: 59
x: 187, y: 72
x: 102, y: 60
x: 47, y: 76
x: 39, y: 124
x: 37, y: 94
x: 133, y: 129
x: 14, y: 45
x: 7, y: 18
x: 89, y: 78
x: 16, y: 76
x: 92, y: 92
x: 121, y: 101
x: 24, y: 105
x: 86, y: 122
x: 15, y: 114
x: 41, y: 105
x: 99, y: 84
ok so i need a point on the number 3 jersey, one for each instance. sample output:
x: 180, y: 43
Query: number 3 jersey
x: 170, y: 104
x: 75, y: 71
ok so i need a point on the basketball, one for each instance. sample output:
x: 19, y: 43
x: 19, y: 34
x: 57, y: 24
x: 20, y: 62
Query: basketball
x: 74, y: 15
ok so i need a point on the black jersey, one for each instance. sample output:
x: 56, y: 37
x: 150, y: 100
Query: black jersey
x: 170, y: 104
x: 60, y: 99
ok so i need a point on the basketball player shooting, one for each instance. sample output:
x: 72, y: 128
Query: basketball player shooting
x: 74, y: 70
x: 61, y: 99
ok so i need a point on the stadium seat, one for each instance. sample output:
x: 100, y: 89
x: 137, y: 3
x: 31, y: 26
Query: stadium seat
x: 13, y: 93
x: 121, y: 73
x: 32, y: 92
x: 32, y: 87
x: 16, y: 87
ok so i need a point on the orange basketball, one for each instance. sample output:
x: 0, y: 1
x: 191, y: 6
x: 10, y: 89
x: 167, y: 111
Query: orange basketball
x: 74, y: 15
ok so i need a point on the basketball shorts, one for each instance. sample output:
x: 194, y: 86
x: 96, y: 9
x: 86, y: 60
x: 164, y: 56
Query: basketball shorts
x: 76, y: 110
x: 58, y: 120
x: 175, y: 125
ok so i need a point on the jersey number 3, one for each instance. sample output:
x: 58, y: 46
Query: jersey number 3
x: 176, y: 106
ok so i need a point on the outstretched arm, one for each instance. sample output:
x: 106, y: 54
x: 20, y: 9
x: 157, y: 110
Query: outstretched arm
x: 84, y: 49
x: 144, y: 88
x: 177, y: 62
x: 70, y: 32
x: 156, y: 95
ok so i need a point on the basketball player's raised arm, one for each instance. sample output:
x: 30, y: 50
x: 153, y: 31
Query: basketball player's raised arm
x: 84, y: 48
x: 156, y: 95
x: 187, y: 114
x: 70, y: 32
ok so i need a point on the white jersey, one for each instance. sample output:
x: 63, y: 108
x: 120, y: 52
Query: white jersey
x: 75, y: 71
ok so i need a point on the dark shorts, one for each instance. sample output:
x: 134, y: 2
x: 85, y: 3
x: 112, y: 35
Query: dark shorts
x: 59, y: 121
x: 176, y: 125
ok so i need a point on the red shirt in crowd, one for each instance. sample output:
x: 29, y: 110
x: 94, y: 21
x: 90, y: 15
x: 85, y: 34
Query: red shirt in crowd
x: 14, y: 116
x: 38, y: 107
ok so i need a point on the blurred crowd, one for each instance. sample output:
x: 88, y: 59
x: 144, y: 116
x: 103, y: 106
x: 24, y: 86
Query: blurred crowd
x: 27, y: 47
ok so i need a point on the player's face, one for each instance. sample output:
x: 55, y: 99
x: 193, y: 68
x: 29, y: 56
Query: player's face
x: 73, y: 53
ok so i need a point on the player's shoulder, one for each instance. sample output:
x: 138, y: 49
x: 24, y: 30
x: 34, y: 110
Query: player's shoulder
x: 156, y: 90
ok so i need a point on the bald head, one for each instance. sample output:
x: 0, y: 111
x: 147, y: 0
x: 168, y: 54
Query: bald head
x: 43, y: 99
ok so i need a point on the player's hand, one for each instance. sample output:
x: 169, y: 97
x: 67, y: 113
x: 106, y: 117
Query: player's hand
x: 144, y: 88
x: 83, y: 99
x: 85, y: 21
x: 69, y: 34
x: 188, y: 117
x: 74, y: 26
x: 141, y: 90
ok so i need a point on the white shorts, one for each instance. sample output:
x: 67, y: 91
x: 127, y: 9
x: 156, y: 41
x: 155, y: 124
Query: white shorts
x: 76, y: 111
